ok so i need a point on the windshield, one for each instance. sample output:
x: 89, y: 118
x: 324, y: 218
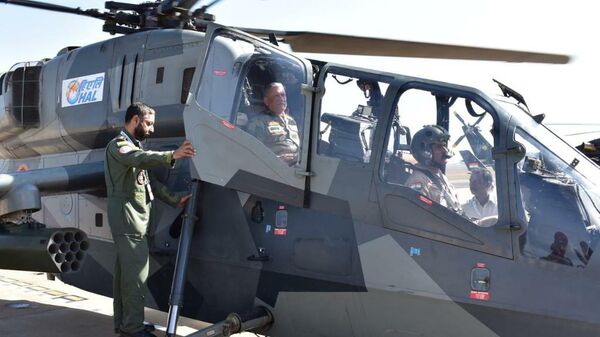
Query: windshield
x: 559, y: 192
x: 575, y: 160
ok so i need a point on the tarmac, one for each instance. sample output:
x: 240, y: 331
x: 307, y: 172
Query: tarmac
x: 31, y: 306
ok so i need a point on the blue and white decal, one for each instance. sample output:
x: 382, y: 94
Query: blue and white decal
x: 414, y: 251
x: 82, y: 90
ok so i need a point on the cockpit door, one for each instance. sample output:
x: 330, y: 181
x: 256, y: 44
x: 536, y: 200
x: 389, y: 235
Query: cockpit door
x: 458, y: 196
x: 241, y: 143
x: 346, y: 132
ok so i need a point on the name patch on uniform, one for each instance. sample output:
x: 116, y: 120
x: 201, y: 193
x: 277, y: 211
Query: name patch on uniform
x: 275, y: 128
x: 82, y: 90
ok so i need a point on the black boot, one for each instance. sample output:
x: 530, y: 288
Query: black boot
x: 149, y: 327
x: 141, y: 333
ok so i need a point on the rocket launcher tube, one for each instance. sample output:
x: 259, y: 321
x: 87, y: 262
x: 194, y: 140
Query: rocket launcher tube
x: 50, y: 250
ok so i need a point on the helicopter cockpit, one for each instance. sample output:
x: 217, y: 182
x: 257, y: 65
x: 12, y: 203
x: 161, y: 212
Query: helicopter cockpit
x: 350, y: 112
x: 469, y: 128
x: 260, y: 71
x: 238, y: 97
x: 557, y: 202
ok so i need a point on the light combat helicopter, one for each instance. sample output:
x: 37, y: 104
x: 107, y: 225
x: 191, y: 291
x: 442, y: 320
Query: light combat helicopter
x: 334, y: 244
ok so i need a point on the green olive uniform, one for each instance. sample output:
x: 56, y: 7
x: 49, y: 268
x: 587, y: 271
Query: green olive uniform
x: 439, y: 190
x: 278, y: 133
x: 129, y: 196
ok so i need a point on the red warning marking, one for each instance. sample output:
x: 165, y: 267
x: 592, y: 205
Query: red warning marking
x: 218, y: 72
x: 425, y: 200
x: 227, y: 124
x: 479, y: 295
x: 280, y: 231
x: 480, y: 265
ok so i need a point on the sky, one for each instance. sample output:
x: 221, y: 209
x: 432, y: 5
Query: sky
x: 565, y: 93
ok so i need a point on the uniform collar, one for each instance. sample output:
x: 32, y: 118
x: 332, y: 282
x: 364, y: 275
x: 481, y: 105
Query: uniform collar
x: 434, y: 170
x: 130, y: 138
x: 282, y: 116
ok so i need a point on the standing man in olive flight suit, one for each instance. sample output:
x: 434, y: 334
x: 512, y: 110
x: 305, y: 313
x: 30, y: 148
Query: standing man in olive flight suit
x: 129, y: 196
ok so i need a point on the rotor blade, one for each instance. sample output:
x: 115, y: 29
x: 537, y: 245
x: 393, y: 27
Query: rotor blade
x: 187, y: 3
x: 460, y: 119
x: 582, y: 133
x: 212, y: 3
x: 309, y: 42
x: 477, y: 121
x: 573, y: 124
x: 458, y: 141
x: 116, y: 5
x: 190, y: 3
x: 57, y: 8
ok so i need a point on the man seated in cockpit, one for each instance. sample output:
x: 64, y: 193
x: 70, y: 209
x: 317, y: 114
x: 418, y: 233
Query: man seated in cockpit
x: 482, y: 208
x: 429, y: 146
x: 275, y: 127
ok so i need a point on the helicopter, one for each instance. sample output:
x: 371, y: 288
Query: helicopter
x: 335, y: 244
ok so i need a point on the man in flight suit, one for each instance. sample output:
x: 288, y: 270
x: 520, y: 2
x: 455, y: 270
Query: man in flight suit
x: 429, y: 146
x: 274, y: 127
x: 129, y: 196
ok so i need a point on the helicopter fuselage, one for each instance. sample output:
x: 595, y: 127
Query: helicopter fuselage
x: 332, y: 245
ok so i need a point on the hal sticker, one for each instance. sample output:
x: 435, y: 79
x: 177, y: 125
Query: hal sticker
x: 82, y: 90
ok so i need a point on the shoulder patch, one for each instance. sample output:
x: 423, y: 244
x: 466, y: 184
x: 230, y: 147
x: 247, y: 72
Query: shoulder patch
x: 125, y: 149
x: 418, y: 186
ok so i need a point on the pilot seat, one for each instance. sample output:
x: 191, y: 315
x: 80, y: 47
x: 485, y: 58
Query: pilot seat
x: 349, y: 137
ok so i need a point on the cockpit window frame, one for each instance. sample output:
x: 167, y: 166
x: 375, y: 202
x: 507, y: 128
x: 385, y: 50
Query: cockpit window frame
x: 326, y: 75
x: 355, y: 72
x: 521, y: 119
x: 571, y: 177
x: 253, y: 158
x: 495, y: 240
x: 441, y: 89
x: 223, y: 31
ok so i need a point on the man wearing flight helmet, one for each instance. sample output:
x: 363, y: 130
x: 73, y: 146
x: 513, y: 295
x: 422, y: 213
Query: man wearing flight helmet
x: 429, y: 146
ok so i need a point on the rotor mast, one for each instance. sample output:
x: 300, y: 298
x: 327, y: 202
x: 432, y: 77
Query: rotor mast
x: 125, y: 18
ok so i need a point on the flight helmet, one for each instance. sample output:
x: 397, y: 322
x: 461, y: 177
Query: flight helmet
x: 422, y: 141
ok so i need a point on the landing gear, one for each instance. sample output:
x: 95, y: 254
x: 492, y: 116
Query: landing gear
x: 258, y: 320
